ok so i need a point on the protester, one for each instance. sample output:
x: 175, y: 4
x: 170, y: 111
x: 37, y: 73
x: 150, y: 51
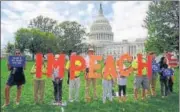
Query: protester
x: 74, y: 84
x: 153, y: 78
x: 122, y: 82
x: 140, y: 80
x: 17, y: 78
x: 57, y: 83
x: 171, y: 82
x: 163, y: 79
x: 89, y: 81
x: 69, y: 54
x: 113, y: 88
x: 39, y: 83
x: 107, y: 87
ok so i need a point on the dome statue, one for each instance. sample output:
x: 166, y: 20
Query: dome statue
x: 101, y: 30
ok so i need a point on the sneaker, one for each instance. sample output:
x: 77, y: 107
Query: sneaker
x: 77, y: 101
x: 59, y: 103
x: 71, y: 101
x: 17, y: 103
x: 55, y: 103
x: 88, y: 99
x: 5, y: 105
x: 95, y: 98
x: 64, y: 104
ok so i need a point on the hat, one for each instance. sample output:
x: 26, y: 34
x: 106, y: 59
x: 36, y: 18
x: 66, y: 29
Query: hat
x: 56, y: 56
x: 73, y: 53
x: 90, y: 49
x: 63, y: 51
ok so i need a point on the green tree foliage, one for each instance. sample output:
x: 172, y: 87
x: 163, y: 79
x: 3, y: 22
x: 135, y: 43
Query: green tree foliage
x: 162, y: 22
x: 22, y: 38
x: 71, y: 35
x: 46, y: 36
x: 44, y: 24
x: 10, y: 48
x: 35, y: 41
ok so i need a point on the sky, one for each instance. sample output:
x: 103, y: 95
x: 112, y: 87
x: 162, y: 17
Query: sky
x: 125, y: 17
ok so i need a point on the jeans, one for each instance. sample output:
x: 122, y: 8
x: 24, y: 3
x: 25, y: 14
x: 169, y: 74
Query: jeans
x: 164, y: 87
x: 58, y: 90
x: 107, y: 89
x: 170, y: 85
x: 122, y: 88
x: 74, y: 86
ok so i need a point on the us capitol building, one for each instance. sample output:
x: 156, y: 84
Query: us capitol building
x: 101, y: 38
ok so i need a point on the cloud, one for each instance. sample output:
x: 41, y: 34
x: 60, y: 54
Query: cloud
x: 73, y: 2
x: 27, y: 11
x: 90, y: 8
x: 81, y: 13
x: 10, y: 14
x: 128, y: 19
x: 66, y: 13
x: 21, y: 6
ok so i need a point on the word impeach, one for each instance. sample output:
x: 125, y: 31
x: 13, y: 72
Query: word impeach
x: 16, y: 61
x: 109, y: 69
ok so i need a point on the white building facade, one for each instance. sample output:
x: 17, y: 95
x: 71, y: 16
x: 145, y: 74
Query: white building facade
x: 101, y: 38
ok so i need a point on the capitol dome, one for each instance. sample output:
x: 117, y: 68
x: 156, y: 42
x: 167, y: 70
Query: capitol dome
x: 101, y: 29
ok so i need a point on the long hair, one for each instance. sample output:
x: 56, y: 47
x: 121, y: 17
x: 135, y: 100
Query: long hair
x: 162, y: 62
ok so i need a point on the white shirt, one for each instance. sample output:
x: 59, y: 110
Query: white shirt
x: 122, y: 81
x: 55, y: 73
x: 87, y: 59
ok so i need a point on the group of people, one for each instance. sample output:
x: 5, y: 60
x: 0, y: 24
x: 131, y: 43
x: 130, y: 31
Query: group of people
x: 147, y: 84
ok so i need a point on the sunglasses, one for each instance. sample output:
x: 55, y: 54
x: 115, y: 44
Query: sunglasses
x: 18, y: 53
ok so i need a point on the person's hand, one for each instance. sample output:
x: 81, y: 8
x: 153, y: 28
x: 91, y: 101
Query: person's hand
x: 86, y: 76
x: 44, y: 72
x: 57, y: 80
x: 32, y: 72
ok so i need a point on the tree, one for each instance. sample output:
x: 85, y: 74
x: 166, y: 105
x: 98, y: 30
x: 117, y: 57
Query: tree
x: 22, y: 38
x: 10, y: 48
x: 41, y: 42
x: 162, y: 23
x: 71, y: 35
x: 68, y: 35
x: 35, y: 41
x: 44, y: 24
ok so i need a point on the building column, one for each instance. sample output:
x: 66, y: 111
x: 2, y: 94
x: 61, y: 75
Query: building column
x: 135, y: 52
x: 131, y: 50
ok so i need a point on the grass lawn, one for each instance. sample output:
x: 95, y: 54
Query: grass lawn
x: 152, y: 104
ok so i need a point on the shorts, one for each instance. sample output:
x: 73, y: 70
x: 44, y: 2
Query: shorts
x: 11, y: 80
x: 154, y: 76
x: 141, y: 81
